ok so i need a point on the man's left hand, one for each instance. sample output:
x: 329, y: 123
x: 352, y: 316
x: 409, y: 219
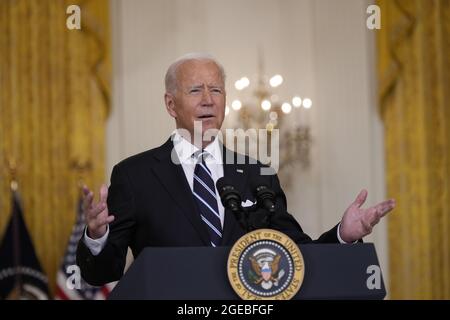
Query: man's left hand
x: 357, y: 222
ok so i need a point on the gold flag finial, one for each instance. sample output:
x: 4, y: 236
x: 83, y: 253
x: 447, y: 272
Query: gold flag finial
x: 12, y: 167
x: 81, y: 167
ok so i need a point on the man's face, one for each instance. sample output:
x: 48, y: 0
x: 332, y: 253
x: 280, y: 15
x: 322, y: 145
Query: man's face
x: 200, y: 96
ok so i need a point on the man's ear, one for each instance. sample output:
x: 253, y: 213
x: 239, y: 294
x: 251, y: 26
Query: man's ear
x: 170, y: 104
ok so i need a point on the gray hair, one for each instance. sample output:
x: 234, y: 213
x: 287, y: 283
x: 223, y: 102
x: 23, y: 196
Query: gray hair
x: 171, y: 74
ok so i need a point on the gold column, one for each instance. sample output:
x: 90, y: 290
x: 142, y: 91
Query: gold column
x: 414, y: 68
x: 54, y: 101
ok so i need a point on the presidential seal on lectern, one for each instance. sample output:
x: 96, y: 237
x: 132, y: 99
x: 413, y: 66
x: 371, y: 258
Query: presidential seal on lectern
x: 265, y: 264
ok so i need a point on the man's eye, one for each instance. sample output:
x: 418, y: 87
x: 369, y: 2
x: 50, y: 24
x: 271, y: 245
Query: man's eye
x: 216, y: 91
x: 194, y: 91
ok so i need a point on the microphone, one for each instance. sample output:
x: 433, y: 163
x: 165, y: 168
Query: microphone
x: 231, y: 199
x: 265, y: 197
x: 263, y: 194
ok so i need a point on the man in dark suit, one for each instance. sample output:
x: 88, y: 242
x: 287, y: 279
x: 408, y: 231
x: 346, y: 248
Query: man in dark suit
x: 167, y: 196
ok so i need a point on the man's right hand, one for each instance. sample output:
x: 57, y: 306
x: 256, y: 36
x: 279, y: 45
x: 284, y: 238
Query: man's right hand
x: 96, y: 214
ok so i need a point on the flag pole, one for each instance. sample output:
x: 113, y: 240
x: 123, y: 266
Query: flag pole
x: 80, y: 167
x: 14, y: 186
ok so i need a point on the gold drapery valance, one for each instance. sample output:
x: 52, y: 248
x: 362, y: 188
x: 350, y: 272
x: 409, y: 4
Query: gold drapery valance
x: 414, y: 87
x: 54, y: 100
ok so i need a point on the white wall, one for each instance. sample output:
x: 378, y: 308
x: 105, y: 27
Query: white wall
x: 350, y: 153
x: 321, y: 47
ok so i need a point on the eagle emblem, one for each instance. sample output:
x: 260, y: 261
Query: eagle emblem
x: 265, y: 269
x: 265, y: 264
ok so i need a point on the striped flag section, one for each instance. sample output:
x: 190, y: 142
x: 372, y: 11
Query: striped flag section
x: 68, y: 286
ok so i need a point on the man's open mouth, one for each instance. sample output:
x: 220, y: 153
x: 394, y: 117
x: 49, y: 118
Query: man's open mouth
x: 206, y: 116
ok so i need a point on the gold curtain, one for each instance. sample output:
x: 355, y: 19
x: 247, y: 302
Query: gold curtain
x: 414, y: 87
x: 54, y: 100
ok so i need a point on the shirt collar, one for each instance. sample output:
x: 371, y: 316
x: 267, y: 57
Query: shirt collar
x: 185, y: 149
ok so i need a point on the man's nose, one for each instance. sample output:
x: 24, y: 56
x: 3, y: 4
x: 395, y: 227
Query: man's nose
x: 207, y: 98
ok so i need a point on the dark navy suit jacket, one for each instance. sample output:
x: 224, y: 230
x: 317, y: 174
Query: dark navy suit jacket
x: 153, y: 205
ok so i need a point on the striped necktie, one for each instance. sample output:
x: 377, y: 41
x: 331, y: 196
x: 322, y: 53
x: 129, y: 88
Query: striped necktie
x: 205, y: 195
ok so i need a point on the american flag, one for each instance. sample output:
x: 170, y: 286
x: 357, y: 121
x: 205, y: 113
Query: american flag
x: 86, y: 291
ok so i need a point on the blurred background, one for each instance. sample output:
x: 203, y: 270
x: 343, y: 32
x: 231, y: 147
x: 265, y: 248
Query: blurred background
x: 356, y: 107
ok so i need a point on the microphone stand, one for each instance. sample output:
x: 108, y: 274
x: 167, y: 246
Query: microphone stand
x: 241, y: 215
x: 260, y: 218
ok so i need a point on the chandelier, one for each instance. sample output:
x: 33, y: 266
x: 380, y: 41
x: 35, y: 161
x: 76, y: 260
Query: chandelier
x: 265, y: 109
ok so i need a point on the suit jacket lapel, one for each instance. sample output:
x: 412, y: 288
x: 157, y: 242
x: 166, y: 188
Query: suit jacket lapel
x: 173, y: 179
x: 238, y: 175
